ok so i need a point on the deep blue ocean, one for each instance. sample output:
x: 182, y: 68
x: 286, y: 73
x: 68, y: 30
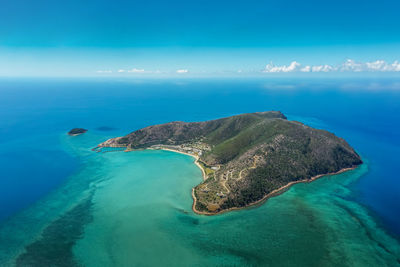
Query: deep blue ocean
x: 36, y: 113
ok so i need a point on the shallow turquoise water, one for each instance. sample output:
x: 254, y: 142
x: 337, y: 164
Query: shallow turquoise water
x: 65, y: 205
x: 140, y: 215
x: 152, y: 187
x: 143, y: 216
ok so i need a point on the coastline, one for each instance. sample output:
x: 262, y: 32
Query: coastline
x: 184, y: 153
x: 274, y: 193
x: 75, y: 134
x: 77, y: 131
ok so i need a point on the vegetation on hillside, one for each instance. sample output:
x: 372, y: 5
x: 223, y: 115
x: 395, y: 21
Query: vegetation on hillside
x: 246, y: 157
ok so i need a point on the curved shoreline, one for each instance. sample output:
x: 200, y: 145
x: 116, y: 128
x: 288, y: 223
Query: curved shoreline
x: 274, y: 193
x: 194, y: 156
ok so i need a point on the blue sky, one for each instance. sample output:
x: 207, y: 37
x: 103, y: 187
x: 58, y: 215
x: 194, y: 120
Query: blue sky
x: 81, y: 38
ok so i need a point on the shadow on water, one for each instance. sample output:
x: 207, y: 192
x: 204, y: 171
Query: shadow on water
x: 54, y: 247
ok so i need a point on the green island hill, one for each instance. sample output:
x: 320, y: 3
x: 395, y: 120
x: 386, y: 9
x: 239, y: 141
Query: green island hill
x: 247, y: 158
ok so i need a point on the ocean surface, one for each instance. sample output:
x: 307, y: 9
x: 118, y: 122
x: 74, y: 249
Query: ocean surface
x: 63, y: 204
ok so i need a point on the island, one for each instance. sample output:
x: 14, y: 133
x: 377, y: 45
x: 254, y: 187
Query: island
x: 77, y: 131
x: 247, y: 158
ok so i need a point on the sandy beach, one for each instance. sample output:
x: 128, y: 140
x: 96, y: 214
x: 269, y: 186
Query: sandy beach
x: 194, y: 156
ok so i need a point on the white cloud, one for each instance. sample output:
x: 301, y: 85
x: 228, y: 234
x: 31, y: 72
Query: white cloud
x: 104, y: 71
x: 381, y: 65
x: 396, y: 66
x: 294, y: 66
x: 135, y: 70
x: 182, y: 71
x: 305, y: 69
x: 322, y: 68
x: 375, y: 66
x: 349, y: 65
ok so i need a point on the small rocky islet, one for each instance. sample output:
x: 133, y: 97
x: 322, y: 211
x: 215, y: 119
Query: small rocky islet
x: 77, y: 131
x: 248, y: 157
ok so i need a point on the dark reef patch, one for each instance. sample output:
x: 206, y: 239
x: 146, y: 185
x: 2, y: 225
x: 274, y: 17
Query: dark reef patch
x: 54, y: 247
x: 367, y: 230
x: 188, y: 219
